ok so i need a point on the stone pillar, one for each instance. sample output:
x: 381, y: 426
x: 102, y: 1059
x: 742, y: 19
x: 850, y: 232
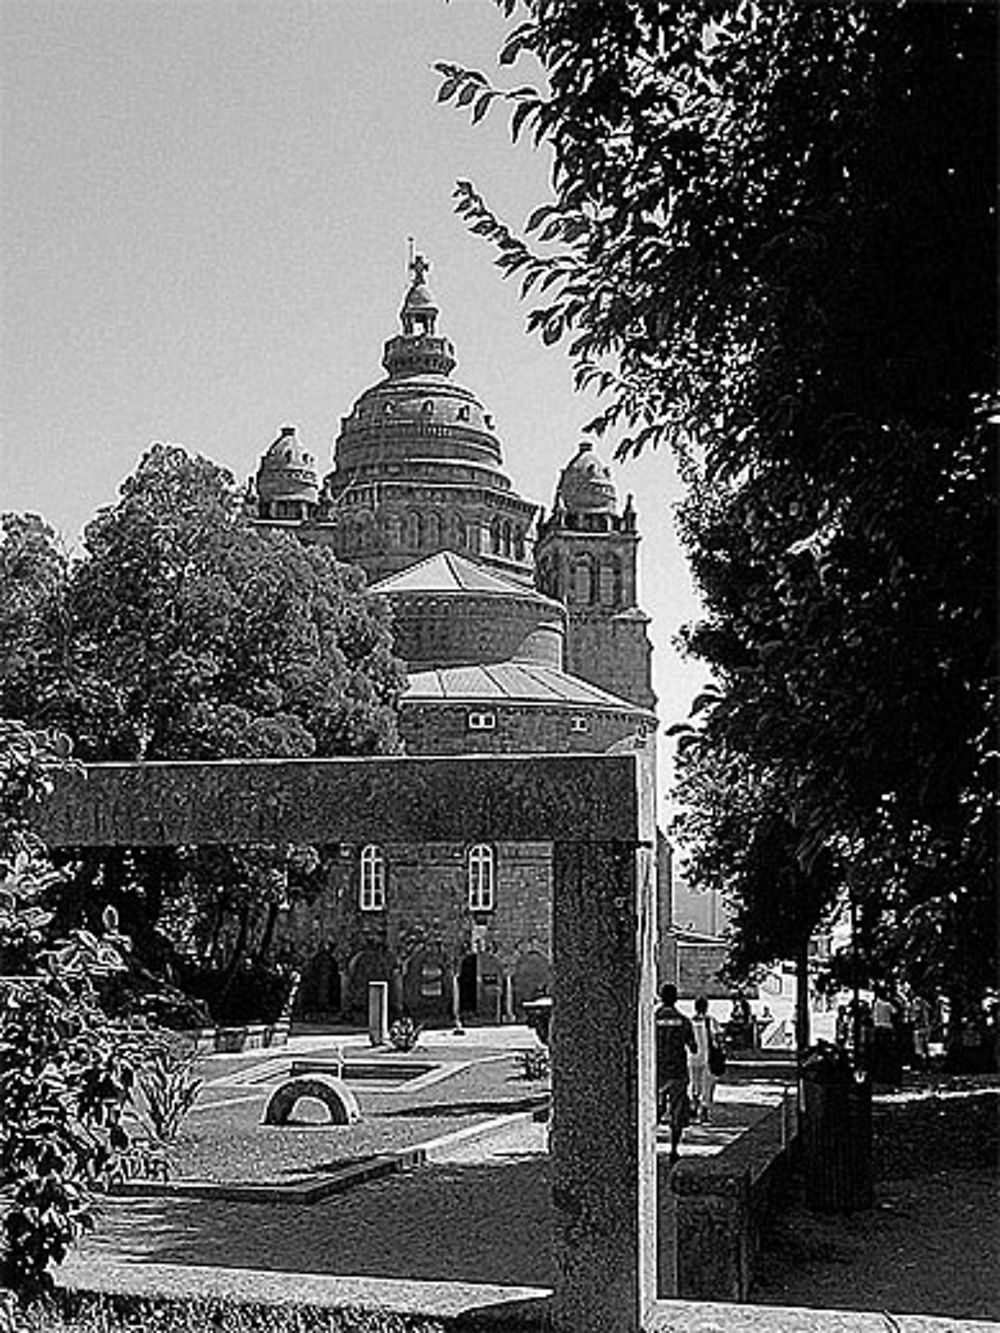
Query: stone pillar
x: 508, y: 997
x: 603, y: 1118
x: 456, y: 1004
x: 378, y: 1012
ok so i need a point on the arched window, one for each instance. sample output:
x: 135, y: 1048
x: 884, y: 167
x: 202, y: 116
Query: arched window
x: 506, y: 536
x: 495, y: 532
x: 434, y: 529
x: 582, y: 580
x: 608, y: 584
x: 371, y: 889
x: 481, y: 876
x: 519, y: 543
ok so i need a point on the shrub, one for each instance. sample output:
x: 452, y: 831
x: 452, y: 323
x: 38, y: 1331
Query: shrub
x: 89, y: 1314
x: 536, y: 1063
x: 404, y: 1034
x: 66, y: 1070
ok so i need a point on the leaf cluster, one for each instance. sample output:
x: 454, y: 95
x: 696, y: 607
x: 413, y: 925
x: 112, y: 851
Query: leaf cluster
x: 66, y: 1071
x: 771, y: 245
x: 186, y: 632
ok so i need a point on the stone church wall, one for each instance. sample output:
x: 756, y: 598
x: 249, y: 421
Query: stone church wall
x: 444, y: 729
x: 418, y: 941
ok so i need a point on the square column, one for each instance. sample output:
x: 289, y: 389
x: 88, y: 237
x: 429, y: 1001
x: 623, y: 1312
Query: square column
x: 602, y: 1138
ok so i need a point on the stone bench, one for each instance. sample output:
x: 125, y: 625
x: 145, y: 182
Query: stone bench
x: 335, y: 1095
x: 720, y: 1203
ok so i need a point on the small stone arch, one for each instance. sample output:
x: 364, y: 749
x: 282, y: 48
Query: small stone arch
x: 334, y: 1093
x: 319, y: 990
x: 368, y: 964
x: 532, y: 978
x: 392, y: 526
x: 427, y: 984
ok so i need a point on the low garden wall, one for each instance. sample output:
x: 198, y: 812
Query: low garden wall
x: 722, y: 1203
x: 231, y: 1040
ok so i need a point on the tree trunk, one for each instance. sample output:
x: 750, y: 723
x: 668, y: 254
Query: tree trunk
x: 239, y: 951
x: 267, y: 937
x: 802, y: 996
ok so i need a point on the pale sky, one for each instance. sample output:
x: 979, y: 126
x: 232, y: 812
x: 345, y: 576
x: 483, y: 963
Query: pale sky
x: 205, y: 206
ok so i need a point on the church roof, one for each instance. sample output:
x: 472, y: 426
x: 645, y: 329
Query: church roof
x: 448, y: 573
x: 511, y: 682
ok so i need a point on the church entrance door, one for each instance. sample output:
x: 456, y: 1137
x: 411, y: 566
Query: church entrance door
x: 468, y: 984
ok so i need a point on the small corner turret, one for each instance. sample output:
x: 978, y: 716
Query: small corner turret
x: 586, y: 555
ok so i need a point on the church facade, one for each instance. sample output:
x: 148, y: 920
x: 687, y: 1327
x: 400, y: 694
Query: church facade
x: 522, y: 635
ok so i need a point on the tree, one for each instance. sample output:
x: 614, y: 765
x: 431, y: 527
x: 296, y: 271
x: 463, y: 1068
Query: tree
x: 33, y: 638
x: 774, y: 244
x: 186, y: 632
x: 223, y: 640
x: 67, y: 1070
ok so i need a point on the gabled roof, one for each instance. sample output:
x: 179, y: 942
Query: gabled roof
x: 512, y: 682
x: 451, y: 574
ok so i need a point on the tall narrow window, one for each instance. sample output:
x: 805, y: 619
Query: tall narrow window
x: 481, y: 873
x: 371, y: 896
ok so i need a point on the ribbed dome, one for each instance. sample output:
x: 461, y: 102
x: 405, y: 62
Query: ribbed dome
x: 287, y: 471
x: 585, y: 485
x: 418, y: 414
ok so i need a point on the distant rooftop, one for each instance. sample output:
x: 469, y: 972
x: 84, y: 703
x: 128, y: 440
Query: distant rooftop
x: 510, y: 682
x: 448, y: 572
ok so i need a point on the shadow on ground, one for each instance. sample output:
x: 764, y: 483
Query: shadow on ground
x: 471, y: 1223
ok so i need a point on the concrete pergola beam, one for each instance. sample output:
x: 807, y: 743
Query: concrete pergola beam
x: 598, y: 812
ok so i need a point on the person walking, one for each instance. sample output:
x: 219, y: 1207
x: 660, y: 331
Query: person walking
x: 674, y: 1039
x: 703, y: 1080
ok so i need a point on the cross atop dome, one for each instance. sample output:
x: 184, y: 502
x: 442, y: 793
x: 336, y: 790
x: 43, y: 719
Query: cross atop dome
x: 420, y: 310
x: 419, y: 267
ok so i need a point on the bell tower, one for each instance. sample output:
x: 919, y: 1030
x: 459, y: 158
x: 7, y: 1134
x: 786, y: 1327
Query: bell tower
x: 585, y: 557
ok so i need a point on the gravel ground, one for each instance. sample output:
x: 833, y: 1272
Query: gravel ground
x: 226, y: 1142
x: 930, y: 1246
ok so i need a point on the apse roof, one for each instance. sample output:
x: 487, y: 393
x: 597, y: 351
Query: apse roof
x: 450, y: 573
x: 511, y: 683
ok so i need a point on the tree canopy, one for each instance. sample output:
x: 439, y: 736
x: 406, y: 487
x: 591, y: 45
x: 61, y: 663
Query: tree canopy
x: 771, y: 246
x: 185, y: 632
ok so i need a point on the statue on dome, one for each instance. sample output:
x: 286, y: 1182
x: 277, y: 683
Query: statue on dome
x: 419, y: 267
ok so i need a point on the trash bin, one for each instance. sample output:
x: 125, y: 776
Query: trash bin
x: 836, y: 1134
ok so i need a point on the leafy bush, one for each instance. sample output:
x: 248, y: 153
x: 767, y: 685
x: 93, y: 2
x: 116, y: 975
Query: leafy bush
x: 536, y: 1063
x: 404, y: 1034
x: 87, y: 1314
x: 165, y: 1090
x: 66, y: 1070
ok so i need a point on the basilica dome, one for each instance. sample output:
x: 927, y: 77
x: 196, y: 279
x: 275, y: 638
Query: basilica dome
x: 585, y: 485
x: 418, y: 421
x: 417, y: 464
x: 287, y: 471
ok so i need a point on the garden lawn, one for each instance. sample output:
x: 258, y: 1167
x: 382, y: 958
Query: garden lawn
x: 223, y: 1139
